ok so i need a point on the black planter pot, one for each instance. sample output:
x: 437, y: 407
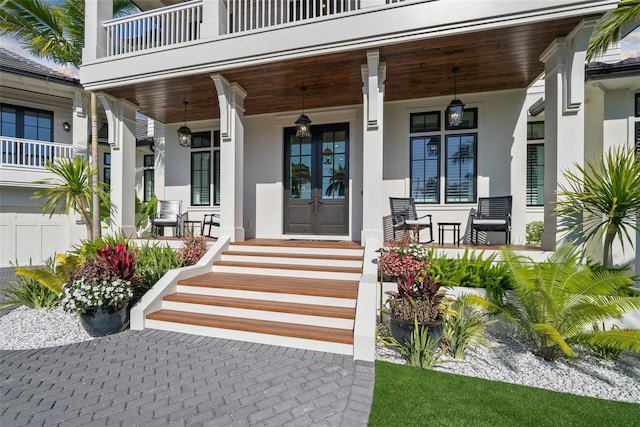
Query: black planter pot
x: 99, y: 322
x: 402, y: 330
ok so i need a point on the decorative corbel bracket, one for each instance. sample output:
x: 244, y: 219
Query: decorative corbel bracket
x: 230, y: 100
x: 373, y: 77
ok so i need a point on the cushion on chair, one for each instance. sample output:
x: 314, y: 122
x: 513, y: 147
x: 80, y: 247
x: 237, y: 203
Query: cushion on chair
x: 417, y: 222
x: 489, y: 222
x: 165, y: 222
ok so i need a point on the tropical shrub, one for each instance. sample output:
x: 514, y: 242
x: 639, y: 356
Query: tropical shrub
x: 533, y: 232
x: 55, y: 274
x: 193, y: 249
x: 557, y: 301
x: 473, y: 270
x: 422, y: 351
x: 602, y: 200
x: 30, y: 292
x: 463, y: 328
x: 153, y: 262
x: 121, y: 260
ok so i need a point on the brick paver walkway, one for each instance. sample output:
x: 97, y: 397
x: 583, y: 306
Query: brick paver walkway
x: 162, y: 378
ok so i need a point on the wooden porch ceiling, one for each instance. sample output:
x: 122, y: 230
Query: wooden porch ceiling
x: 497, y: 59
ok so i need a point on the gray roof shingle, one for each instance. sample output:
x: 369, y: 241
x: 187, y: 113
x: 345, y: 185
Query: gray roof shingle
x: 13, y: 63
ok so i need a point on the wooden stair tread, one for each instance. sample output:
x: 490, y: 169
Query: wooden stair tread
x: 274, y: 306
x: 277, y: 284
x: 300, y: 256
x: 344, y: 244
x: 330, y: 269
x: 319, y: 333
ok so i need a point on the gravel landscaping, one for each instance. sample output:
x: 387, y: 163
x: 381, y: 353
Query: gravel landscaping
x: 505, y: 360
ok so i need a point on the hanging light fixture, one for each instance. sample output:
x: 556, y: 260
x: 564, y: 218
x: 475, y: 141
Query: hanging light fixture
x: 456, y: 107
x: 303, y: 124
x: 184, y: 133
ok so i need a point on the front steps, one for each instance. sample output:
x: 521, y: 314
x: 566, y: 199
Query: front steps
x: 301, y: 295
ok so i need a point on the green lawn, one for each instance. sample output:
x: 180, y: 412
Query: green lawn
x: 408, y: 396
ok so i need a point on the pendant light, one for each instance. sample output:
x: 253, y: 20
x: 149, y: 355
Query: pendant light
x: 303, y: 124
x: 456, y: 107
x: 184, y: 133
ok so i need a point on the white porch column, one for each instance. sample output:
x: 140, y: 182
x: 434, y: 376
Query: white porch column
x: 95, y: 36
x: 231, y: 100
x: 121, y: 119
x: 373, y: 77
x: 80, y: 123
x: 564, y: 63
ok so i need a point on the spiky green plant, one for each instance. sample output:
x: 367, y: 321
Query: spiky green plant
x: 463, y: 327
x: 30, y: 292
x: 57, y: 273
x: 557, y: 301
x: 70, y: 189
x: 602, y: 200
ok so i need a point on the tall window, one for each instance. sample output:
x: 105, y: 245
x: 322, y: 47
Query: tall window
x: 535, y: 164
x: 535, y: 175
x: 148, y: 177
x: 27, y: 123
x: 461, y: 168
x: 204, y: 161
x: 427, y: 156
x: 425, y: 169
x: 106, y: 168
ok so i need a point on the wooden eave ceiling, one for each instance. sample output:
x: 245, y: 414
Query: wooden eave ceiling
x: 498, y: 59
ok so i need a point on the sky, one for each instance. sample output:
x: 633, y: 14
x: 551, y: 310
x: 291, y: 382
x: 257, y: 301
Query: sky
x: 630, y: 48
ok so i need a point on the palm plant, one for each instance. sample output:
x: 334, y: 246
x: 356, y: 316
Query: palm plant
x: 557, y: 302
x: 603, y: 198
x: 54, y: 275
x: 55, y: 30
x: 70, y: 189
x: 608, y: 29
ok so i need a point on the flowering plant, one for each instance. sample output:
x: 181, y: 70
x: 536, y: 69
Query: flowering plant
x: 418, y: 295
x: 194, y: 248
x: 84, y: 293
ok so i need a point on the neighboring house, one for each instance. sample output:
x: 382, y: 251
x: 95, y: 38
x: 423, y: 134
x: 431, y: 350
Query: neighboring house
x: 379, y: 79
x: 45, y: 116
x: 42, y: 119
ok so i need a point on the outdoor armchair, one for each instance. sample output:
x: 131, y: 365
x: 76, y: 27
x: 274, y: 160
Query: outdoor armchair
x: 404, y: 217
x: 494, y: 214
x: 169, y: 215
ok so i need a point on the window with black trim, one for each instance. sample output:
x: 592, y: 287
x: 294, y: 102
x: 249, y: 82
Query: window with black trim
x: 425, y: 169
x: 535, y: 175
x: 637, y: 104
x: 27, y: 123
x: 205, y: 169
x: 425, y: 122
x: 535, y: 130
x: 106, y: 168
x: 460, y: 168
x: 148, y: 177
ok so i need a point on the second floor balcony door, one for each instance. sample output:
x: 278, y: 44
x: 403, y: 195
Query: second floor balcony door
x: 316, y: 181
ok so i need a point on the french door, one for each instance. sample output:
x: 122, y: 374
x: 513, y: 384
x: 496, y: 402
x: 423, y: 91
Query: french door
x: 316, y: 178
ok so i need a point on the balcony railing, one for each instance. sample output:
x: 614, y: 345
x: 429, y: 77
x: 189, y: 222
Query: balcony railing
x: 32, y: 154
x: 183, y: 23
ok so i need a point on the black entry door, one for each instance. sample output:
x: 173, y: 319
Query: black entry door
x: 316, y: 181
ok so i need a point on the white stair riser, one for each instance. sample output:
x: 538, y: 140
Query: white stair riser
x: 292, y: 261
x: 297, y: 250
x: 268, y: 296
x: 305, y: 344
x: 273, y: 316
x: 303, y: 274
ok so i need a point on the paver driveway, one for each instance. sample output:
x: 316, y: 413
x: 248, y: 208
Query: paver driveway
x: 162, y: 378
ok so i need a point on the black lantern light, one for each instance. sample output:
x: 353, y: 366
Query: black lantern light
x: 184, y: 133
x: 456, y: 107
x: 66, y: 126
x: 303, y: 124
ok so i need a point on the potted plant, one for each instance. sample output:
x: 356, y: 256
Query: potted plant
x: 100, y: 290
x: 419, y: 295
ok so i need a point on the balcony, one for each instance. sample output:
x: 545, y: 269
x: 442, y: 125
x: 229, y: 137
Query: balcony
x: 23, y: 161
x: 186, y: 22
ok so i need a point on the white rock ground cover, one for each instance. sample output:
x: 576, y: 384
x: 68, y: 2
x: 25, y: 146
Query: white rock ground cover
x: 506, y: 359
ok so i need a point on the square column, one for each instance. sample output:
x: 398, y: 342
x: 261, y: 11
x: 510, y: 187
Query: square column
x: 121, y: 119
x: 373, y: 77
x: 80, y: 123
x: 231, y: 100
x: 95, y: 36
x: 564, y: 144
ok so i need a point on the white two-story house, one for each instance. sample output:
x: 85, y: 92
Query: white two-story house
x: 379, y: 77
